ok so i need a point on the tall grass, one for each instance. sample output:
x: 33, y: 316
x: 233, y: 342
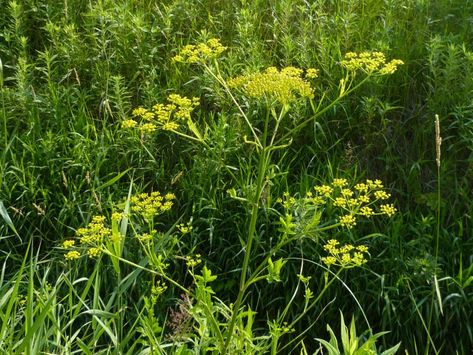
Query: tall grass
x: 72, y: 71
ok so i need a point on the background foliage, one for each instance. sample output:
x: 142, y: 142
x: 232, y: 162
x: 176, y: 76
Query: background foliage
x: 72, y: 70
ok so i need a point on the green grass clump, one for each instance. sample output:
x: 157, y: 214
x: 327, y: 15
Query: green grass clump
x: 103, y: 104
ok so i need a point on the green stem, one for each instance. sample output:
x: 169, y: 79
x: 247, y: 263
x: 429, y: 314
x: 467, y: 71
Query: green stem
x: 323, y: 229
x: 163, y: 275
x: 274, y: 345
x: 282, y: 113
x: 5, y: 132
x: 254, y: 277
x: 426, y: 327
x: 437, y: 242
x: 438, y: 216
x: 314, y: 302
x: 222, y: 82
x: 318, y: 113
x: 263, y: 161
x: 188, y: 137
x: 306, y: 309
x: 120, y: 311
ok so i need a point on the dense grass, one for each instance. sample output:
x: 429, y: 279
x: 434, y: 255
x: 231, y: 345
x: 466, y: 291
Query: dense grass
x: 72, y: 71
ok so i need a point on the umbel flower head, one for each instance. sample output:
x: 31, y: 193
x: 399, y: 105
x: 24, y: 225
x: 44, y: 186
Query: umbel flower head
x: 283, y: 86
x: 91, y: 239
x: 72, y: 255
x: 362, y: 200
x: 347, y: 203
x: 95, y: 233
x: 153, y: 204
x: 200, y: 53
x: 165, y: 116
x: 346, y: 256
x: 370, y: 63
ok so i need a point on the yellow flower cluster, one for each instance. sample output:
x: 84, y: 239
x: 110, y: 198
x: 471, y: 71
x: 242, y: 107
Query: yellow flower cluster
x: 357, y: 201
x: 68, y: 244
x: 117, y: 216
x: 144, y: 238
x: 324, y: 190
x: 280, y: 329
x: 129, y: 123
x: 287, y: 200
x: 315, y: 200
x: 164, y: 116
x: 72, y: 255
x: 148, y: 127
x: 91, y: 237
x: 339, y: 182
x: 283, y: 86
x: 158, y: 289
x: 370, y: 63
x: 185, y: 228
x: 95, y: 232
x: 153, y: 204
x: 193, y: 261
x: 366, y: 211
x: 348, y: 221
x: 311, y: 73
x: 346, y: 256
x: 200, y: 53
x: 93, y: 252
x: 390, y: 67
x: 388, y: 209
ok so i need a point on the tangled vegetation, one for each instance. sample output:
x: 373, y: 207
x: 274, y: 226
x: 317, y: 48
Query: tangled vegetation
x: 192, y: 177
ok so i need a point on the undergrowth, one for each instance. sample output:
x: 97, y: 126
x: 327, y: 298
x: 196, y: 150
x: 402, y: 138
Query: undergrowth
x: 236, y: 261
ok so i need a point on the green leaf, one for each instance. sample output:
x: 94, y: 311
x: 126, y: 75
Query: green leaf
x: 112, y: 180
x: 7, y: 219
x: 274, y: 270
x: 439, y: 296
x: 333, y: 338
x: 1, y: 74
x: 286, y: 225
x: 468, y: 282
x: 207, y: 275
x: 344, y: 335
x: 38, y: 322
x: 329, y: 347
x: 392, y: 350
x: 194, y: 129
x: 353, y: 337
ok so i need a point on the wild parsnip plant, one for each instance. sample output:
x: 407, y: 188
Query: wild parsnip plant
x: 102, y: 102
x: 204, y: 322
x: 277, y: 91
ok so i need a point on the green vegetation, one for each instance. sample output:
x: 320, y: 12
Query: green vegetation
x: 195, y: 176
